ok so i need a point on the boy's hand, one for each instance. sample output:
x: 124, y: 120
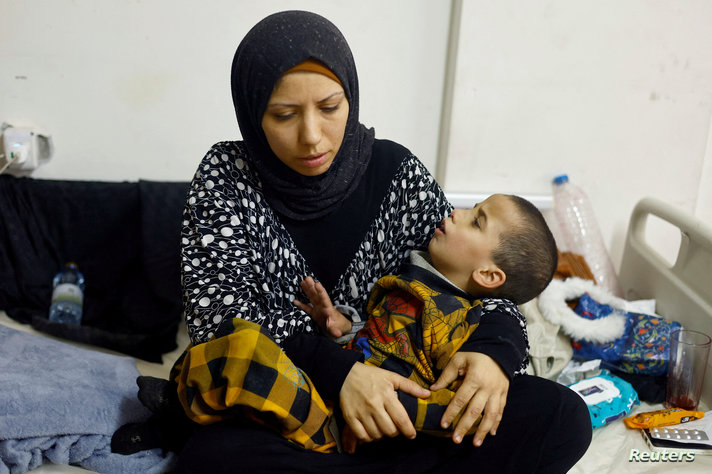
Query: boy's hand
x: 484, y: 389
x: 322, y: 310
x: 349, y: 441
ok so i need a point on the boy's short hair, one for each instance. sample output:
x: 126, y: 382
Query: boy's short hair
x: 526, y: 254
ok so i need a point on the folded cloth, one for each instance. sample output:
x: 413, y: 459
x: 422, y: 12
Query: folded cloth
x: 549, y: 348
x: 63, y: 403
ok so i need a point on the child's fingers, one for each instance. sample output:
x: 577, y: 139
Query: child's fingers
x: 349, y: 440
x: 307, y: 284
x: 317, y: 293
x: 321, y: 294
x: 309, y: 288
x: 304, y: 307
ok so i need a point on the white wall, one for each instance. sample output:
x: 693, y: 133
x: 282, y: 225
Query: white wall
x: 618, y: 94
x: 141, y: 89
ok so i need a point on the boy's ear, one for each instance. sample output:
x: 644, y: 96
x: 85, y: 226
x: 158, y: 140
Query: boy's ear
x: 489, y: 277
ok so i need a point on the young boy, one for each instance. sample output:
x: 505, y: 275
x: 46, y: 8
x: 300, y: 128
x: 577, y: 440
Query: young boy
x: 501, y: 248
x: 486, y: 259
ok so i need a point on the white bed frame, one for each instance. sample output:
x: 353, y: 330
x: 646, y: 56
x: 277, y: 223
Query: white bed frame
x: 544, y: 202
x: 683, y: 291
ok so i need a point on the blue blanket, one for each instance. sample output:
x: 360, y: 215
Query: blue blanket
x: 62, y: 403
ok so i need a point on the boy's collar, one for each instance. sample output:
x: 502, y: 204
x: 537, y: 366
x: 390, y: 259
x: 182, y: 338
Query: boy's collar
x: 421, y: 259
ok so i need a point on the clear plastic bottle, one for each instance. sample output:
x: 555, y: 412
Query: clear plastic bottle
x: 580, y: 232
x: 67, y: 295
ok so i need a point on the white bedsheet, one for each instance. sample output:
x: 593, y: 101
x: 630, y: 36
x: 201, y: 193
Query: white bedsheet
x: 612, y: 445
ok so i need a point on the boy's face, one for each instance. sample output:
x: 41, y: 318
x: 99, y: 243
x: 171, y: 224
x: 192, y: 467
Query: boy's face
x: 464, y: 242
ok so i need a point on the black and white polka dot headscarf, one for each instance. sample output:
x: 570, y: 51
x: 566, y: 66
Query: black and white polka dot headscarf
x: 274, y: 45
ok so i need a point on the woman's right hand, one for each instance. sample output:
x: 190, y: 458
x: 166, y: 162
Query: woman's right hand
x: 370, y: 404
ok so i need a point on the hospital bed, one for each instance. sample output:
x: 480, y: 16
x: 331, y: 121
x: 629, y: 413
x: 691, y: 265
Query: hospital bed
x: 683, y: 292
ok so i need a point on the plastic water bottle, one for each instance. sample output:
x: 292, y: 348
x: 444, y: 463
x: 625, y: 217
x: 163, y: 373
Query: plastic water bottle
x: 68, y: 295
x: 581, y: 234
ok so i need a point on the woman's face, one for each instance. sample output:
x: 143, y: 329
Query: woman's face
x: 305, y: 121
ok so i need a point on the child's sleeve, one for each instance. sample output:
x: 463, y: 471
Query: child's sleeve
x: 357, y: 322
x: 501, y: 336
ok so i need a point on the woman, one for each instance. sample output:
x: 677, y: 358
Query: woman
x: 310, y: 192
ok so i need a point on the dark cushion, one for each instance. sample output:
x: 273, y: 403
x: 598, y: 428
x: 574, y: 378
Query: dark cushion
x: 125, y: 238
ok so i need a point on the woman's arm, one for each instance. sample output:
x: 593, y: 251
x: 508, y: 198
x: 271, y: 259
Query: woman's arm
x: 237, y: 260
x: 483, y: 391
x: 367, y: 395
x: 370, y: 405
x: 502, y: 335
x: 496, y: 352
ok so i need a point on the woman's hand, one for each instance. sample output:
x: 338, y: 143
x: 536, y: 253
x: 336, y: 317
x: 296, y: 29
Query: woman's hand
x: 370, y: 404
x: 484, y: 389
x: 322, y: 310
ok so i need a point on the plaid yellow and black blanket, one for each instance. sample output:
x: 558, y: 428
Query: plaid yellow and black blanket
x: 412, y: 330
x: 246, y: 374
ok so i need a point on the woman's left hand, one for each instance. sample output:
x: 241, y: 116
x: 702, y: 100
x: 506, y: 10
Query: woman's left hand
x: 483, y: 391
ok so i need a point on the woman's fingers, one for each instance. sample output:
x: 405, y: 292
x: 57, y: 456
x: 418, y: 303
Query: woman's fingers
x: 490, y: 420
x: 401, y: 421
x: 450, y: 373
x: 370, y: 404
x: 462, y: 399
x: 381, y: 425
x: 472, y: 412
x: 408, y: 386
x: 394, y: 418
x: 492, y: 415
x: 483, y: 391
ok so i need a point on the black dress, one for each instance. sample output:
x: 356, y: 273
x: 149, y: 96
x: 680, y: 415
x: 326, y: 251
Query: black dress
x: 242, y: 259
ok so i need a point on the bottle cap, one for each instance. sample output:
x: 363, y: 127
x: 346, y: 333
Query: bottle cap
x: 561, y: 179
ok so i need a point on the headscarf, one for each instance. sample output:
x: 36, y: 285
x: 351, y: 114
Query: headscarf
x: 274, y: 45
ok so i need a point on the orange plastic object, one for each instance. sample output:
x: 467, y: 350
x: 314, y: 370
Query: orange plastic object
x: 668, y: 416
